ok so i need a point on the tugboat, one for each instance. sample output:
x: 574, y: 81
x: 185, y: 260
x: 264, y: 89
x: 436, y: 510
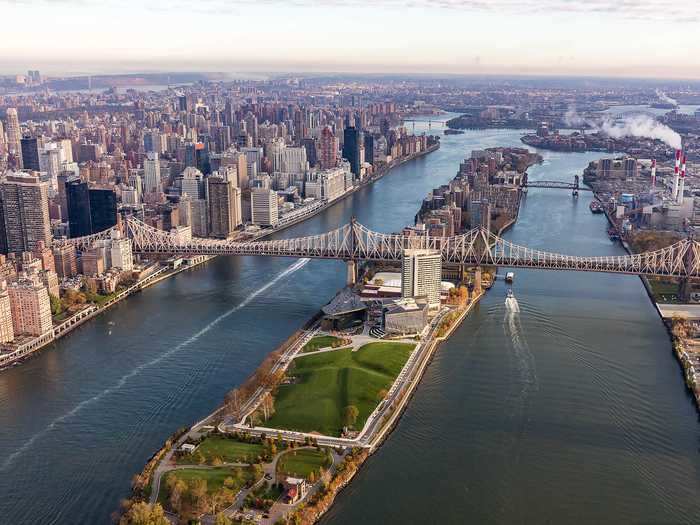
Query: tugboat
x: 509, y: 294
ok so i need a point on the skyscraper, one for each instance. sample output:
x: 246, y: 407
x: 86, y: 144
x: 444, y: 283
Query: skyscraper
x: 90, y: 210
x: 151, y: 170
x: 103, y: 209
x: 30, y: 153
x: 14, y: 135
x: 329, y: 149
x: 78, y: 199
x: 421, y: 274
x: 25, y: 208
x: 369, y: 148
x: 351, y: 149
x: 224, y: 200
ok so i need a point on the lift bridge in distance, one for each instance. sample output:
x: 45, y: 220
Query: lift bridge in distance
x: 354, y: 243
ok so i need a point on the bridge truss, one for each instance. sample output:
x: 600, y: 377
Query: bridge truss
x: 478, y: 247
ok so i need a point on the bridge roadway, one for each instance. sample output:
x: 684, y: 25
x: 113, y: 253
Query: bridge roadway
x: 353, y: 242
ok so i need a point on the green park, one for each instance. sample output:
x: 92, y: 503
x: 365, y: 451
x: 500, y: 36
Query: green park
x: 332, y: 390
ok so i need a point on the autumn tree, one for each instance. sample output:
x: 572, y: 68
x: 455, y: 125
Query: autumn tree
x: 142, y: 513
x: 350, y: 414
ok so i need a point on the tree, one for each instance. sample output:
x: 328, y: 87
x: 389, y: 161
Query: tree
x: 382, y: 394
x: 56, y: 306
x: 142, y: 513
x: 222, y: 519
x: 198, y: 494
x: 232, y: 402
x: 350, y: 415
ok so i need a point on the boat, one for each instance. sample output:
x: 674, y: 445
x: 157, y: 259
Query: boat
x: 509, y: 294
x: 509, y: 277
x: 612, y: 233
x: 596, y: 207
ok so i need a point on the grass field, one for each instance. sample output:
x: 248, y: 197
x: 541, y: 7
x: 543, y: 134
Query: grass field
x: 302, y: 462
x: 327, y: 383
x: 229, y: 450
x: 215, y: 478
x: 318, y: 342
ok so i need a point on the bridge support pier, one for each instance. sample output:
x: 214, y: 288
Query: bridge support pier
x: 477, y: 280
x: 351, y: 273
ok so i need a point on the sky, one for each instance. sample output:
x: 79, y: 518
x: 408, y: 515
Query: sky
x: 627, y: 38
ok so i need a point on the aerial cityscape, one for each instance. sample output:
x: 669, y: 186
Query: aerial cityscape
x: 271, y: 263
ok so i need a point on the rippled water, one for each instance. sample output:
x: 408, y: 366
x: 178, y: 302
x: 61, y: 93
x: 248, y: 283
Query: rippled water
x: 572, y: 411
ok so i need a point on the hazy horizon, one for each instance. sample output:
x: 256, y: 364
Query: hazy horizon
x: 601, y: 38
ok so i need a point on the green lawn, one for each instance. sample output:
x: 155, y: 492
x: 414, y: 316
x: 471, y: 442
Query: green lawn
x: 215, y: 478
x: 302, y: 462
x: 229, y: 450
x: 327, y: 383
x: 318, y: 342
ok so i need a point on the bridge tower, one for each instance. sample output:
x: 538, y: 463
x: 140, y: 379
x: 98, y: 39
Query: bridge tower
x: 684, y: 287
x: 351, y: 264
x: 575, y: 190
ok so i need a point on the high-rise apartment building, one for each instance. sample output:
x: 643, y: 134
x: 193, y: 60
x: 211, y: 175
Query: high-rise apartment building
x: 25, y: 210
x: 224, y: 207
x: 65, y: 260
x: 121, y: 253
x: 31, y: 307
x: 421, y: 275
x: 328, y: 155
x: 263, y: 207
x: 7, y: 331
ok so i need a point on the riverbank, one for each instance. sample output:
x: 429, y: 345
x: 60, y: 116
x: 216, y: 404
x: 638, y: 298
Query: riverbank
x: 684, y: 349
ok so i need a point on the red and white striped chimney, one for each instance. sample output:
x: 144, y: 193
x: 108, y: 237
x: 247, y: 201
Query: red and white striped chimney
x: 676, y: 175
x: 681, y: 190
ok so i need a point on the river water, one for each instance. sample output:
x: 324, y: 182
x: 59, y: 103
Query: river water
x: 573, y: 410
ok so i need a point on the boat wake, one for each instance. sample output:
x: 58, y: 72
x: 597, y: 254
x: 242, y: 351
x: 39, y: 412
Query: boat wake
x: 512, y: 305
x: 525, y: 360
x: 125, y: 378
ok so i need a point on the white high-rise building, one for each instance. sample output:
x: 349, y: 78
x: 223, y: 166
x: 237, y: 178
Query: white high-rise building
x: 421, y: 275
x: 120, y: 251
x: 263, y: 207
x: 14, y: 134
x: 191, y: 182
x: 151, y: 170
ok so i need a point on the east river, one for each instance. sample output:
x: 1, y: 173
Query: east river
x: 573, y: 411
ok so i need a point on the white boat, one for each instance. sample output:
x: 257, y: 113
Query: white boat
x: 509, y: 295
x: 509, y: 277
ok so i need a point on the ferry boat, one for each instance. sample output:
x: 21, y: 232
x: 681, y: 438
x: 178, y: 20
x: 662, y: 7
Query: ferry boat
x: 509, y: 277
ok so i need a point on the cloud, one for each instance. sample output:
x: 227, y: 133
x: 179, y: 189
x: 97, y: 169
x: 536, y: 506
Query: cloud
x: 649, y: 10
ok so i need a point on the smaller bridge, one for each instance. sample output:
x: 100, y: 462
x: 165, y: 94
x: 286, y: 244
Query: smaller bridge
x: 573, y: 187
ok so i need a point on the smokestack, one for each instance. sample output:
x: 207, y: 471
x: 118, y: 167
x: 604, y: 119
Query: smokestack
x: 676, y: 175
x: 653, y: 173
x: 681, y: 190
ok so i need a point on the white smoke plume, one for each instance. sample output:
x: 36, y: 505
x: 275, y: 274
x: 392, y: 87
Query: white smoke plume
x: 639, y: 125
x: 665, y: 98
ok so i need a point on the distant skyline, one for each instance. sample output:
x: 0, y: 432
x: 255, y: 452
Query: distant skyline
x: 627, y: 38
